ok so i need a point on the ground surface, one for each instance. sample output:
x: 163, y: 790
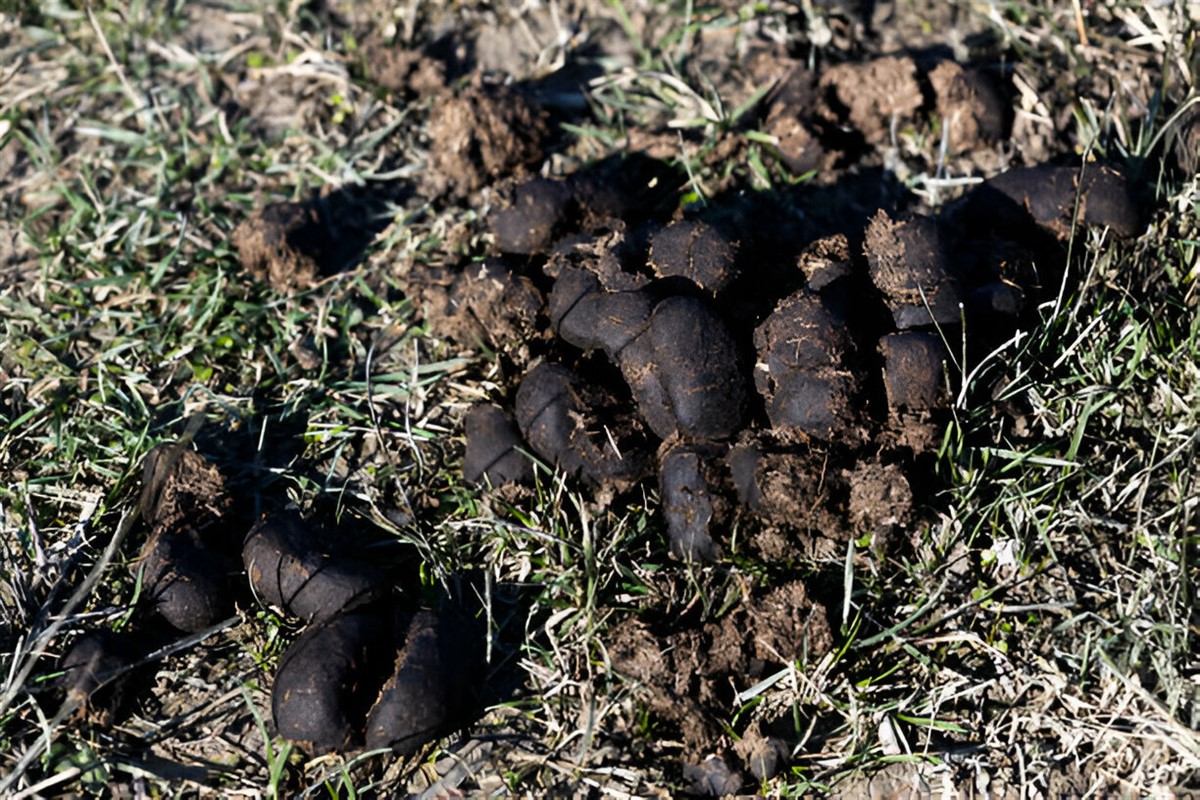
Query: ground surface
x: 863, y: 337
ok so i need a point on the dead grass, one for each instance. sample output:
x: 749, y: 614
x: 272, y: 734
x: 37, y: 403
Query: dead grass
x: 1037, y: 638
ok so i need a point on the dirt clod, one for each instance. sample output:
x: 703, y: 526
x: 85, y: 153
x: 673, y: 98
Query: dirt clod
x: 970, y: 108
x: 283, y: 245
x: 682, y: 671
x: 790, y: 120
x: 881, y: 500
x: 483, y: 304
x: 878, y: 97
x: 797, y: 502
x: 485, y: 133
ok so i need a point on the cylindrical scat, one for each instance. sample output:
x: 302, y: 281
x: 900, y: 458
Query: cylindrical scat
x: 328, y: 678
x: 288, y: 569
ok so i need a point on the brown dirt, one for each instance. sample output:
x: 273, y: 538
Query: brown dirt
x: 180, y: 488
x: 971, y: 111
x: 796, y: 498
x: 483, y: 304
x: 877, y: 98
x: 485, y: 133
x: 685, y: 674
x: 281, y: 245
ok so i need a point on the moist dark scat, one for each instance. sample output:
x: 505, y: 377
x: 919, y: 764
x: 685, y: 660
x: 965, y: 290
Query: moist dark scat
x: 677, y: 356
x: 804, y: 367
x: 995, y: 299
x: 687, y: 503
x: 291, y: 568
x: 95, y: 668
x: 1053, y: 196
x: 694, y: 250
x: 697, y: 364
x: 910, y: 264
x: 826, y: 262
x: 551, y: 411
x: 492, y: 456
x: 915, y: 384
x: 914, y: 370
x: 329, y: 677
x: 187, y: 580
x: 639, y: 367
x: 434, y: 685
x: 588, y: 317
x: 179, y: 486
x: 545, y: 403
x: 850, y: 409
x: 537, y: 212
x: 187, y: 561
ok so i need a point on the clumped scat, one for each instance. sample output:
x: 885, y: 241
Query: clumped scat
x: 675, y: 353
x: 291, y: 568
x: 805, y: 371
x: 434, y: 684
x: 697, y: 251
x: 328, y: 678
x: 187, y: 561
x: 1059, y: 198
x: 493, y: 441
x: 910, y: 264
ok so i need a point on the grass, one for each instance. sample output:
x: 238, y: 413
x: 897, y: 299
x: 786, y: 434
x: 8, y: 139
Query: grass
x: 1039, y: 629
